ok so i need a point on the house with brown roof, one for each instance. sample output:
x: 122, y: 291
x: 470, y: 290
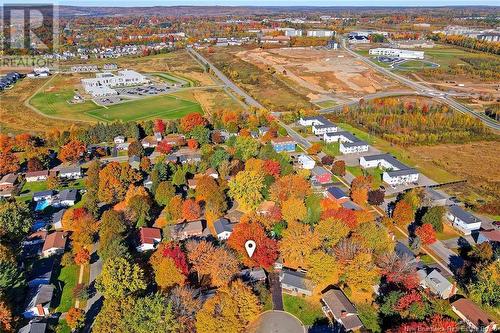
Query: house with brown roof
x: 8, y: 185
x: 473, y: 316
x: 489, y: 236
x: 37, y: 176
x: 174, y: 139
x: 55, y: 243
x: 149, y: 238
x: 185, y: 230
x: 338, y: 307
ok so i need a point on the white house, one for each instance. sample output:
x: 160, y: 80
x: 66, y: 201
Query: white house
x: 39, y: 301
x: 55, y: 243
x: 223, y: 228
x: 395, y: 173
x: 149, y: 238
x: 66, y: 198
x: 397, y: 53
x: 349, y: 143
x: 71, y: 172
x: 437, y: 283
x: 320, y: 33
x: 119, y: 139
x: 320, y: 125
x: 306, y: 162
x: 463, y: 220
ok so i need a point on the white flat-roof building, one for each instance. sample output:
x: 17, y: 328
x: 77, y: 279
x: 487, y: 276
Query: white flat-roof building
x: 103, y: 83
x: 396, y: 172
x: 306, y: 162
x: 320, y: 33
x: 349, y: 143
x: 463, y: 220
x: 291, y: 32
x: 397, y: 53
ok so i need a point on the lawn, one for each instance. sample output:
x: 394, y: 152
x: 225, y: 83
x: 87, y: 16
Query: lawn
x: 175, y: 79
x: 165, y: 107
x: 447, y: 233
x: 307, y: 313
x: 68, y: 278
x: 62, y: 327
x: 375, y: 172
x: 32, y: 187
x: 331, y: 149
x: 326, y: 104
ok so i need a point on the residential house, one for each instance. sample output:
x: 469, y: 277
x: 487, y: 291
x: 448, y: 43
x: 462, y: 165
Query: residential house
x: 34, y: 327
x: 223, y: 228
x: 339, y: 308
x: 148, y: 183
x: 32, y: 246
x: 283, y: 144
x: 336, y: 194
x: 348, y: 142
x: 212, y: 173
x: 436, y: 282
x: 39, y: 300
x: 306, y: 162
x: 263, y: 130
x: 434, y: 197
x: 37, y: 176
x: 191, y: 157
x: 123, y: 146
x: 349, y: 204
x: 320, y: 125
x: 463, y: 220
x: 473, y: 316
x: 66, y: 198
x: 251, y: 275
x: 149, y: 238
x: 158, y: 136
x: 185, y: 230
x: 8, y: 185
x: 489, y: 236
x: 41, y: 273
x: 295, y: 282
x: 266, y: 208
x: 321, y: 175
x: 55, y: 243
x: 149, y: 142
x: 43, y: 195
x: 134, y: 162
x: 175, y: 139
x: 119, y: 139
x: 70, y: 172
x: 56, y: 221
x: 395, y: 173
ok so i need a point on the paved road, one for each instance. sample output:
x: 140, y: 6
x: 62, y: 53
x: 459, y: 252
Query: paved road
x: 424, y: 90
x: 94, y: 303
x: 276, y: 322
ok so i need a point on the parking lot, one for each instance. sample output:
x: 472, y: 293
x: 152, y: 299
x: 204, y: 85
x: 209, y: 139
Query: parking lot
x: 138, y: 92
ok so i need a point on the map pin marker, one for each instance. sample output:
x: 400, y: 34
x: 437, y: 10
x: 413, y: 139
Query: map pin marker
x: 250, y: 247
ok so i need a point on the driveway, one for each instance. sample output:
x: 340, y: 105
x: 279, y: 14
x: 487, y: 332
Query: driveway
x: 276, y: 291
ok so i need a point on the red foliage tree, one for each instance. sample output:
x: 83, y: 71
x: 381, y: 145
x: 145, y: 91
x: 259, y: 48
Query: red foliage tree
x: 266, y: 250
x: 190, y: 210
x: 426, y: 233
x: 413, y: 327
x: 192, y: 143
x: 159, y: 126
x: 82, y: 257
x: 175, y: 252
x: 343, y: 214
x: 408, y: 299
x: 443, y: 324
x: 190, y: 121
x: 72, y: 151
x: 272, y: 168
x: 164, y: 147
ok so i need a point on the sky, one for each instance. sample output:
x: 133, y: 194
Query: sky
x: 332, y: 3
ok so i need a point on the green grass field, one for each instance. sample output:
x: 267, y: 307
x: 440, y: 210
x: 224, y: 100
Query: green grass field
x: 375, y: 172
x: 307, y: 312
x: 69, y: 279
x: 165, y: 107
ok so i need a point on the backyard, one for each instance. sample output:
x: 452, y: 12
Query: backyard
x: 307, y: 312
x: 67, y: 281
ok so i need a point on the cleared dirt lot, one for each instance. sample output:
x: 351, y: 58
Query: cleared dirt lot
x: 324, y: 73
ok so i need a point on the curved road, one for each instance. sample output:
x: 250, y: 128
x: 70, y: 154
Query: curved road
x: 424, y: 90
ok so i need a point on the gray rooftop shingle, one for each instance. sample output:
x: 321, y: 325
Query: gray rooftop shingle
x: 463, y: 215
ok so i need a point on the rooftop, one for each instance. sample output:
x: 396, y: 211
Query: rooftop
x: 463, y: 215
x: 221, y: 225
x: 149, y: 235
x: 55, y: 240
x: 336, y: 192
x: 472, y: 312
x: 294, y: 278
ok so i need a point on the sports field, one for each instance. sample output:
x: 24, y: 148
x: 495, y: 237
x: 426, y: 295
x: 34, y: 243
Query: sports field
x: 165, y: 107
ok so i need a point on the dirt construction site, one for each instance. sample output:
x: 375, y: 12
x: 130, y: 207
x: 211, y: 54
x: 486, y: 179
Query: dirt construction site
x: 323, y: 74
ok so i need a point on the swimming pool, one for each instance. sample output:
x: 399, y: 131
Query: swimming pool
x: 41, y: 205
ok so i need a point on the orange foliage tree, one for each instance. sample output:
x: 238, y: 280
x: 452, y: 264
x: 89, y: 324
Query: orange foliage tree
x: 190, y: 121
x: 426, y: 233
x: 191, y: 210
x: 72, y: 151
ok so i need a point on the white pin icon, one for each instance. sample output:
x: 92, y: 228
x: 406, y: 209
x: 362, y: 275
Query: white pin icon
x: 250, y: 247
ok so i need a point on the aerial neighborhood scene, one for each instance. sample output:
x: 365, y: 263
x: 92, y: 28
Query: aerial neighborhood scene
x: 263, y: 167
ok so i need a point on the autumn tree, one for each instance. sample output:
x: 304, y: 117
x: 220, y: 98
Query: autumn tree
x: 486, y: 287
x: 402, y: 214
x: 75, y: 318
x: 15, y: 219
x: 164, y: 193
x: 192, y: 144
x: 359, y: 196
x: 246, y: 147
x: 169, y: 265
x: 376, y: 197
x: 53, y: 182
x: 230, y: 310
x: 297, y: 244
x: 289, y: 186
x: 112, y: 231
x: 185, y: 306
x: 372, y: 237
x: 114, y: 180
x: 6, y: 318
x: 190, y: 210
x: 331, y: 231
x: 399, y: 269
x: 294, y: 210
x: 72, y: 151
x: 434, y: 216
x: 34, y: 164
x: 159, y: 126
x: 266, y: 251
x: 217, y: 263
x: 190, y: 121
x: 247, y: 188
x: 119, y: 278
x: 82, y: 257
x: 151, y: 314
x: 164, y: 147
x: 426, y: 234
x: 323, y: 270
x: 338, y: 168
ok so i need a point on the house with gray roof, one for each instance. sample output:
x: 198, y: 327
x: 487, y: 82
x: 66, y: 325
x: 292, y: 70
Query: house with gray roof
x: 56, y: 221
x: 295, y: 282
x: 348, y: 142
x: 41, y: 273
x: 134, y: 162
x: 39, y: 300
x: 320, y: 125
x: 395, y: 172
x: 71, y: 172
x: 436, y: 283
x: 339, y: 308
x: 223, y: 228
x: 43, y: 195
x: 463, y: 220
x: 66, y: 198
x: 34, y: 327
x: 251, y: 275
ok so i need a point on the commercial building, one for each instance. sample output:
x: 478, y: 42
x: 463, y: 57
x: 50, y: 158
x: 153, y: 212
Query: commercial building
x: 320, y: 33
x: 291, y: 32
x: 395, y: 173
x: 397, y: 53
x: 103, y: 83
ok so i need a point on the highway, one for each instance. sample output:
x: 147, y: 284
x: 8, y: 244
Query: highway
x: 426, y: 91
